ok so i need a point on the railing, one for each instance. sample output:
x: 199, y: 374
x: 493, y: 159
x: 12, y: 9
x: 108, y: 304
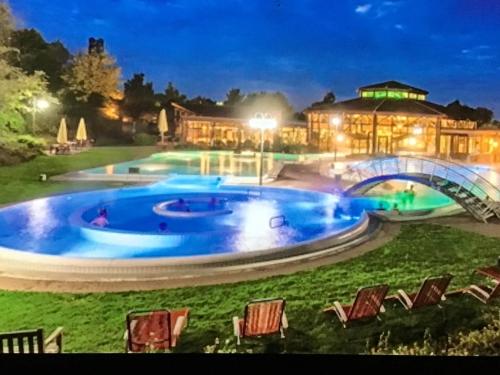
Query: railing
x: 273, y: 220
x: 478, y: 186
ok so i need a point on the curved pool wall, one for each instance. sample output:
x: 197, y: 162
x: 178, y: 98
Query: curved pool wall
x: 52, y: 238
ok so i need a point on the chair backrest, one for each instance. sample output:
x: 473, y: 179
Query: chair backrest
x: 431, y: 291
x: 149, y: 330
x: 29, y: 342
x: 263, y: 317
x: 368, y: 302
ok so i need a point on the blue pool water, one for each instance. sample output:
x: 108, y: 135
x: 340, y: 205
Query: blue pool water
x: 61, y: 225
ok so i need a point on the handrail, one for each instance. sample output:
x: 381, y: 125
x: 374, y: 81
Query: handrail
x: 283, y: 221
x: 486, y: 190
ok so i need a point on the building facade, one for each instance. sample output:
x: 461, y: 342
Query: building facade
x: 385, y: 118
x: 223, y: 125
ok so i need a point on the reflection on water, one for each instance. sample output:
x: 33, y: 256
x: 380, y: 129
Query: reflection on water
x: 40, y: 218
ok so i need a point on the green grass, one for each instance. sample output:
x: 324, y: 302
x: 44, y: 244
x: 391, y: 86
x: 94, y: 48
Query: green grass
x: 95, y: 322
x: 20, y: 182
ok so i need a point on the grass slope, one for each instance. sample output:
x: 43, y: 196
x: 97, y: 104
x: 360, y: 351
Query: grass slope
x: 20, y: 182
x: 95, y: 322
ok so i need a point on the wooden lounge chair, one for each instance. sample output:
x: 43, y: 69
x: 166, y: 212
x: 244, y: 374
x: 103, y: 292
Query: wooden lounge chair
x: 156, y: 330
x: 367, y: 304
x: 31, y: 342
x: 485, y: 293
x: 262, y: 317
x: 431, y: 292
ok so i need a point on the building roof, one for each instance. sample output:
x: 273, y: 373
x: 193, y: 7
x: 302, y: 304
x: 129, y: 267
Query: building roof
x: 394, y: 85
x: 228, y: 113
x: 410, y: 106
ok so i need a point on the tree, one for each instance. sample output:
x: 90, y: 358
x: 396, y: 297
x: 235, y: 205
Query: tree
x: 34, y: 53
x: 6, y: 24
x: 329, y: 98
x: 201, y: 100
x: 460, y: 111
x: 17, y: 89
x: 173, y: 95
x: 233, y: 97
x: 139, y: 97
x: 92, y: 75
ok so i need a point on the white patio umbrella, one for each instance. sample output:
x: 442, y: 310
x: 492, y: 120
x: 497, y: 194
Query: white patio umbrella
x: 81, y: 132
x: 62, y: 134
x: 162, y: 123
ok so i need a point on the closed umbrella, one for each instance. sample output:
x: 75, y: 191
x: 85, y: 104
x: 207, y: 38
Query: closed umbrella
x: 162, y: 123
x: 81, y: 132
x: 62, y: 134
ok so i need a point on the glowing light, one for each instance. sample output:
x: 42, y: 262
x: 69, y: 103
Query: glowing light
x: 417, y: 130
x: 263, y: 123
x: 336, y: 121
x: 340, y: 138
x: 412, y: 141
x: 41, y: 104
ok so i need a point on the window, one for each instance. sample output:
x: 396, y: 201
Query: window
x: 396, y: 94
x: 367, y: 94
x: 421, y: 97
x: 380, y: 94
x: 413, y: 96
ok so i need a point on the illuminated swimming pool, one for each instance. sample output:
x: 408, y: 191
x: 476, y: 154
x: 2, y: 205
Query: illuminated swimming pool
x: 253, y: 221
x: 204, y: 163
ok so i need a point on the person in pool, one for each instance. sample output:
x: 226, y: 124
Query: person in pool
x: 163, y: 227
x: 411, y: 195
x: 102, y: 219
x: 381, y: 206
x: 395, y: 209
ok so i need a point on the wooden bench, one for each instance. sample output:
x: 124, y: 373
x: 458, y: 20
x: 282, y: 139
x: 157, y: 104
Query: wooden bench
x: 31, y: 342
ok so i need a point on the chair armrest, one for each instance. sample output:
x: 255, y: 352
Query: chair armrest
x: 284, y: 321
x: 55, y: 338
x: 480, y: 291
x: 340, y: 311
x: 179, y: 325
x: 236, y: 326
x: 405, y: 300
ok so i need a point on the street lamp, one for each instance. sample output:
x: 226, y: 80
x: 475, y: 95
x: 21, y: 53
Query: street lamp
x: 38, y: 104
x: 262, y: 121
x: 336, y: 121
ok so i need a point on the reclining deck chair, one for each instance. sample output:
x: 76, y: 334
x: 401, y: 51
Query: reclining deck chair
x: 156, y: 330
x: 484, y: 293
x: 262, y: 317
x: 367, y: 304
x: 431, y: 292
x: 31, y: 342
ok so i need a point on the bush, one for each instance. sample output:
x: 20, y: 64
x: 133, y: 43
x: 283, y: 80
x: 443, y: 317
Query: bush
x: 143, y: 139
x: 480, y: 342
x: 16, y: 149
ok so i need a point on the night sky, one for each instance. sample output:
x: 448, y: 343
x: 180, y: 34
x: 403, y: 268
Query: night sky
x: 303, y: 48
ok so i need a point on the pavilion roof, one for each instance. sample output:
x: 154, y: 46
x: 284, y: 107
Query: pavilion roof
x: 394, y: 85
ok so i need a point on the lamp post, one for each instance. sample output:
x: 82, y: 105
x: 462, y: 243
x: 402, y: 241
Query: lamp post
x: 38, y: 104
x: 262, y: 121
x: 336, y: 121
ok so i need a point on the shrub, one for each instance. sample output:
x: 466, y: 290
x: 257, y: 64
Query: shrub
x: 479, y: 342
x: 143, y: 139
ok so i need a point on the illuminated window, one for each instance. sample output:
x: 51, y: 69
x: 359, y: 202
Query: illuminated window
x: 395, y: 94
x: 412, y: 96
x: 421, y: 97
x: 367, y: 94
x: 380, y: 94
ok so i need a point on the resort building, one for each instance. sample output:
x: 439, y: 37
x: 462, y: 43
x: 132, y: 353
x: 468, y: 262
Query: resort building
x: 212, y: 125
x: 391, y: 117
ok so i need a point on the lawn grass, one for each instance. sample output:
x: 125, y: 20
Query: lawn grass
x: 95, y: 322
x: 20, y: 182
